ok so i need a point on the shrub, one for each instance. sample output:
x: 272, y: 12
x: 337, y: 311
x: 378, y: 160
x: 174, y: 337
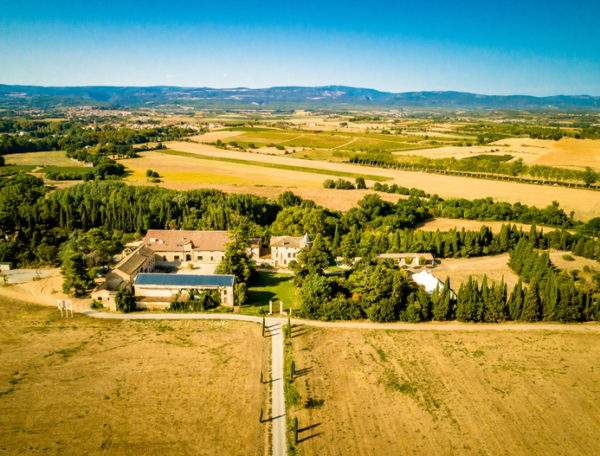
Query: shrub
x: 125, y: 300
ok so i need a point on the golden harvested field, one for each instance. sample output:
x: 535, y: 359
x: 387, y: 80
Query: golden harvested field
x: 447, y: 393
x: 182, y: 173
x: 52, y: 158
x: 585, y: 203
x: 457, y: 152
x: 175, y: 170
x: 565, y: 153
x: 573, y: 153
x: 495, y: 267
x: 86, y: 386
x: 212, y: 136
x: 447, y: 224
x: 556, y: 256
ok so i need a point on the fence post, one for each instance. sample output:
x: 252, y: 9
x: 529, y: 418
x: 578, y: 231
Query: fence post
x: 295, y: 424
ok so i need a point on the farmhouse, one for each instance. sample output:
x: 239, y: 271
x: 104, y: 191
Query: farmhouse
x: 202, y: 250
x: 142, y: 259
x: 285, y: 248
x: 156, y: 290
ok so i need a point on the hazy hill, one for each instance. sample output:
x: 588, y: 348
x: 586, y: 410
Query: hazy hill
x: 279, y: 97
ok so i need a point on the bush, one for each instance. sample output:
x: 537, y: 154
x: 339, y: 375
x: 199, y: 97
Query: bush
x: 125, y: 300
x: 339, y: 184
x: 195, y: 301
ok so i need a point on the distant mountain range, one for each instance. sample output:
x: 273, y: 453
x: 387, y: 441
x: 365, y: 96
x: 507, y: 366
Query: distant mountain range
x: 332, y: 97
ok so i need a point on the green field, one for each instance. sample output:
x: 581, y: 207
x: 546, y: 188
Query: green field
x: 303, y: 169
x: 270, y: 286
x: 9, y: 170
x: 337, y: 145
x: 48, y: 158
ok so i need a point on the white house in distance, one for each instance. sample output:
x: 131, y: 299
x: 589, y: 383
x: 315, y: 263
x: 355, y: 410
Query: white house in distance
x: 285, y: 248
x: 430, y: 282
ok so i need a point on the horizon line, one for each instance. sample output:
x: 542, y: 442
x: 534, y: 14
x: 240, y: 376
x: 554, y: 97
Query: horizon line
x: 296, y: 86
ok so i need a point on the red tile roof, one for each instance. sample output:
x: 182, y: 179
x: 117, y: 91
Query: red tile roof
x: 185, y: 240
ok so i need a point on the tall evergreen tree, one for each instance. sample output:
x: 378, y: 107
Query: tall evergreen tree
x: 532, y: 306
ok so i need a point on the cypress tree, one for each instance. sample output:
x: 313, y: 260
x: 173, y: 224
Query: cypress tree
x: 532, y: 306
x: 515, y: 302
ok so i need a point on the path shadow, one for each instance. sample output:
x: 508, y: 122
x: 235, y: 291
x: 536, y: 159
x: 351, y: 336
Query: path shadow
x: 302, y: 372
x: 309, y: 427
x: 266, y: 420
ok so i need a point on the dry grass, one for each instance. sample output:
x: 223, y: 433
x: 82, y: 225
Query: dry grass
x: 85, y: 386
x: 447, y: 224
x: 573, y: 153
x: 175, y: 170
x: 44, y: 291
x: 185, y: 173
x: 578, y: 263
x: 495, y: 267
x: 566, y: 153
x: 481, y: 393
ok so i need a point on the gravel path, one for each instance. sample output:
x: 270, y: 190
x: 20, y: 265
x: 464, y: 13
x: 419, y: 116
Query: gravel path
x: 278, y: 414
x: 427, y: 326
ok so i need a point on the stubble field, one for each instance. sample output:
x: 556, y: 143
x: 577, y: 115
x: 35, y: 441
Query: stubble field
x: 86, y: 386
x: 197, y: 173
x: 484, y: 393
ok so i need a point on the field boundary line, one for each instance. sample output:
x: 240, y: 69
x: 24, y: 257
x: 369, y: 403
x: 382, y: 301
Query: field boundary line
x: 304, y: 169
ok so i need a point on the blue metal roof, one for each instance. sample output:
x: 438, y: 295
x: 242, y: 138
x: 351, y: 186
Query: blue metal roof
x: 185, y: 280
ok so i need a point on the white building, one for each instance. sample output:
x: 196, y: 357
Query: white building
x: 156, y: 291
x: 285, y: 249
x: 429, y: 282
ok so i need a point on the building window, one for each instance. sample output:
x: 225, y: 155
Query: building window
x: 188, y: 257
x: 200, y: 258
x: 176, y: 257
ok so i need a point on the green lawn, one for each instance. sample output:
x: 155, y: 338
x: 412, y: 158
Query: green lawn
x: 270, y: 286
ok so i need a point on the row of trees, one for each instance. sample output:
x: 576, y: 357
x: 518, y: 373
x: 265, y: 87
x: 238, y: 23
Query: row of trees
x: 342, y: 184
x: 484, y: 164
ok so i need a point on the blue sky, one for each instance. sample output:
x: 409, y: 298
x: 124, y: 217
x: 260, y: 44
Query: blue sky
x: 502, y: 47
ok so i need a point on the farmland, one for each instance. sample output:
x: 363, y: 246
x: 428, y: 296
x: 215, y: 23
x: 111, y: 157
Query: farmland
x: 190, y: 174
x: 50, y: 158
x: 90, y: 386
x: 375, y: 392
x: 495, y: 267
